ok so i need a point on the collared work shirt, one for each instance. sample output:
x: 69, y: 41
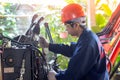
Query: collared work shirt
x: 87, y: 58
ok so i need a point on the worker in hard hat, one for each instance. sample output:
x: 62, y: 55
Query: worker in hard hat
x: 87, y: 56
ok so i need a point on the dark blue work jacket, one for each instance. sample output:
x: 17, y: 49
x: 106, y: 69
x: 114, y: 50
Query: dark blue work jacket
x: 87, y: 58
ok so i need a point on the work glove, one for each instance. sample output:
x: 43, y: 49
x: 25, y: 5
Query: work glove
x: 51, y: 75
x: 43, y: 43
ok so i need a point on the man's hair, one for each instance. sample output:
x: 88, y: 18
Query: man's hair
x: 81, y: 21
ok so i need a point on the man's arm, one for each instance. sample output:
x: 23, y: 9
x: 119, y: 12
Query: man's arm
x: 66, y: 50
x: 80, y: 64
x: 58, y: 48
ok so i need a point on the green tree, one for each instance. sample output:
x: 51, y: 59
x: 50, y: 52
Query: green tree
x: 7, y: 21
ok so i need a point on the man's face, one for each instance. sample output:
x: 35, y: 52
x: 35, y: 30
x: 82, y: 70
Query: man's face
x: 71, y: 29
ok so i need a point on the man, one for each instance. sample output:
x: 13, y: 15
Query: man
x: 87, y: 57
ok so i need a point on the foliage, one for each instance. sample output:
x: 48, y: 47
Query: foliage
x: 7, y: 24
x: 100, y: 20
x: 62, y: 61
x: 75, y: 1
x: 103, y: 13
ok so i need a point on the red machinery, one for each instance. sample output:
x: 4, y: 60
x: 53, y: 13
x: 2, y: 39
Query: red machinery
x: 110, y: 38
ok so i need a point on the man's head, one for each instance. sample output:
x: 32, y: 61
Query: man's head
x: 73, y: 16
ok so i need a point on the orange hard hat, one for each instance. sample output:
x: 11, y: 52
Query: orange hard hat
x: 71, y: 11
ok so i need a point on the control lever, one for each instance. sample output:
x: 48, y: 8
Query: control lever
x: 32, y: 24
x: 55, y: 66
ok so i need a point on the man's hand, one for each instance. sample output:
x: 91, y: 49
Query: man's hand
x: 43, y: 43
x: 51, y: 75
